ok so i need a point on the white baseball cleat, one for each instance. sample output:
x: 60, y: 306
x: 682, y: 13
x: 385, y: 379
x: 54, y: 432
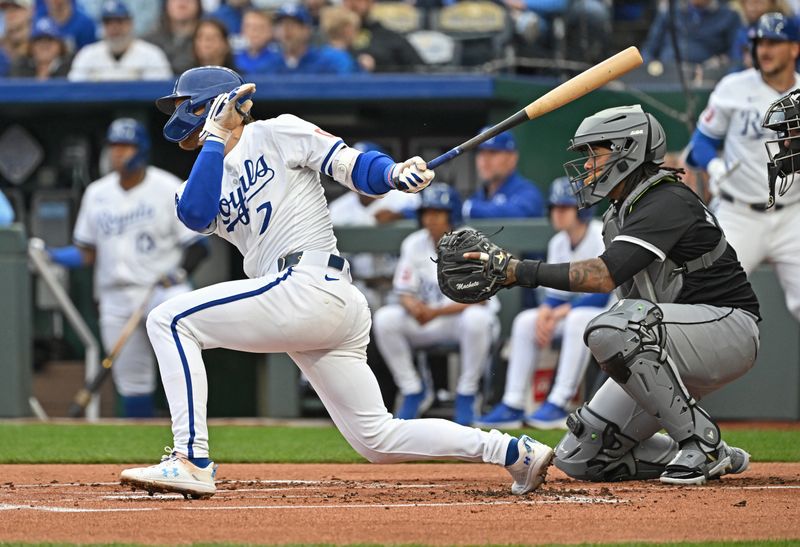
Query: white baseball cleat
x: 175, y: 473
x: 530, y: 469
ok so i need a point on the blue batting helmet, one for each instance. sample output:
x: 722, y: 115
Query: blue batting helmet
x: 561, y: 195
x: 130, y: 131
x: 443, y: 197
x: 773, y: 26
x: 199, y: 86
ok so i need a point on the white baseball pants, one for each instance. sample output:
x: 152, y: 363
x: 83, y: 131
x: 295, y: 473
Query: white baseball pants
x: 322, y: 321
x: 397, y: 333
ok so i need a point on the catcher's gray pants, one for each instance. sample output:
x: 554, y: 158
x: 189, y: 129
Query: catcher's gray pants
x: 710, y: 347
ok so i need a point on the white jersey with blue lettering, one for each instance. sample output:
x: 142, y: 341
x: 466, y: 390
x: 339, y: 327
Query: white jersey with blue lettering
x: 734, y: 114
x: 272, y: 203
x: 560, y: 250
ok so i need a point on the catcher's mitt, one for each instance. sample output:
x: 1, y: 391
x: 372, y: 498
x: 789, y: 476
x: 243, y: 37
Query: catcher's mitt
x: 470, y: 281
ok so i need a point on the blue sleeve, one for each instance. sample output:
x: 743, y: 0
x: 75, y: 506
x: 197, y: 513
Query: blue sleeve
x: 199, y: 203
x: 702, y: 149
x: 593, y: 300
x: 554, y: 302
x: 370, y: 173
x: 6, y: 211
x: 521, y: 205
x: 69, y: 256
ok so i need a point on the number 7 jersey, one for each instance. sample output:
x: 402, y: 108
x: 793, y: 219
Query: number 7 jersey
x: 272, y: 203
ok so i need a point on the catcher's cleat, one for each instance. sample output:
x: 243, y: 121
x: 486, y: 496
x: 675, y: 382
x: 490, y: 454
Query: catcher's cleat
x: 693, y: 466
x: 176, y: 474
x: 530, y: 469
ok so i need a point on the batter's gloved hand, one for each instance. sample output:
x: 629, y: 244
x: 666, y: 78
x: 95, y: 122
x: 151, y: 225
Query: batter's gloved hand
x: 717, y: 170
x: 410, y: 176
x: 470, y: 268
x: 226, y: 113
x: 175, y: 277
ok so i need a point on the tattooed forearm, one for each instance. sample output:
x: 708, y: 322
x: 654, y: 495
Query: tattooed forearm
x: 590, y: 276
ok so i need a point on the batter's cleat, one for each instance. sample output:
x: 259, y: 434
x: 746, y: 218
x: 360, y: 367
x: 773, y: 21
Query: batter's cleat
x: 530, y: 469
x: 414, y: 405
x: 501, y: 416
x: 548, y: 416
x: 694, y: 466
x: 175, y: 473
x: 464, y: 409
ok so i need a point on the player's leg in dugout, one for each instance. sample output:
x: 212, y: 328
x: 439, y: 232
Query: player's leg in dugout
x: 614, y: 438
x: 324, y: 327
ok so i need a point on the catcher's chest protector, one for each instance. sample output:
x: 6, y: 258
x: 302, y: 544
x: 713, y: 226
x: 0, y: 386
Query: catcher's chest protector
x: 659, y: 282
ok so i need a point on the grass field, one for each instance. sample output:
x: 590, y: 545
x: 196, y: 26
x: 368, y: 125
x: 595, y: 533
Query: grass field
x: 62, y: 443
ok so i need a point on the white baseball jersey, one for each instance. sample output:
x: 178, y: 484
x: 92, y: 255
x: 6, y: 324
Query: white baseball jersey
x: 141, y: 61
x: 559, y: 250
x: 734, y: 113
x: 270, y: 205
x: 135, y: 232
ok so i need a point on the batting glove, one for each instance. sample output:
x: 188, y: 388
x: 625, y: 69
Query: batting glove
x: 410, y: 176
x: 717, y: 170
x: 226, y: 113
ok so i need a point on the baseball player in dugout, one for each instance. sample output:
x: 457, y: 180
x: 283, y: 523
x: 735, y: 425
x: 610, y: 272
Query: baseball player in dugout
x: 127, y: 229
x: 686, y: 324
x: 425, y: 317
x: 759, y: 230
x: 562, y: 314
x: 256, y: 184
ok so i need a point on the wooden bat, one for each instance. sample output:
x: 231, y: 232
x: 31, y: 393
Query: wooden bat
x: 82, y: 398
x: 574, y: 88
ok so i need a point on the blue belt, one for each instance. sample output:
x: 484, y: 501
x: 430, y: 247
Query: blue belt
x: 293, y: 259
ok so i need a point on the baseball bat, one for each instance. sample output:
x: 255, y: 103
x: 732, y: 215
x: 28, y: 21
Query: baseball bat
x: 574, y: 88
x: 82, y: 398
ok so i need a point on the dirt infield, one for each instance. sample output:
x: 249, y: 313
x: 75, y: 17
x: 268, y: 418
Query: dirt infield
x: 420, y: 503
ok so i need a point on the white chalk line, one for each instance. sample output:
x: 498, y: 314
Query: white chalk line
x: 558, y: 501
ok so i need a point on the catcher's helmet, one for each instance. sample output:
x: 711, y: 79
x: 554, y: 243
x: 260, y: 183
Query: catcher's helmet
x: 634, y: 138
x: 443, y: 197
x: 783, y: 116
x: 130, y: 131
x: 773, y: 26
x: 199, y: 86
x: 561, y: 195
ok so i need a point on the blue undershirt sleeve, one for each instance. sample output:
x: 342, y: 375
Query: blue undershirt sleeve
x: 370, y: 173
x: 592, y: 300
x: 69, y: 256
x: 554, y: 302
x: 199, y: 203
x: 703, y: 149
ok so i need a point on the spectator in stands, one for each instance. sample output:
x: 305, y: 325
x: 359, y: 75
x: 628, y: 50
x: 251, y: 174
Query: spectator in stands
x: 231, y: 13
x: 741, y: 54
x: 706, y: 30
x: 211, y: 45
x: 503, y: 192
x: 47, y: 57
x: 147, y: 13
x: 119, y: 55
x: 259, y: 48
x: 176, y: 32
x: 297, y: 55
x: 77, y: 28
x: 340, y: 27
x: 6, y: 211
x: 377, y: 48
x: 315, y: 9
x: 14, y: 42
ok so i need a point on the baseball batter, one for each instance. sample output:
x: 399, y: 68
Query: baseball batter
x: 127, y: 229
x: 732, y: 121
x: 425, y: 317
x: 256, y: 184
x: 562, y: 314
x: 687, y: 323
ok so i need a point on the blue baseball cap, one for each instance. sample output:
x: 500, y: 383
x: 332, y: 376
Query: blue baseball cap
x: 503, y: 142
x: 114, y: 9
x: 294, y: 11
x: 45, y: 28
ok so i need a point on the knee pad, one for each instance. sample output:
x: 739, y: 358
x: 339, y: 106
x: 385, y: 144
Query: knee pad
x: 595, y: 449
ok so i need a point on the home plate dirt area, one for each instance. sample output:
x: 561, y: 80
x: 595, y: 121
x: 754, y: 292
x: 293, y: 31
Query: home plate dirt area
x: 409, y: 503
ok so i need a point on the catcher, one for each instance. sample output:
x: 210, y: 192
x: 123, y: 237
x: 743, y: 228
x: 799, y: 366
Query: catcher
x: 686, y: 324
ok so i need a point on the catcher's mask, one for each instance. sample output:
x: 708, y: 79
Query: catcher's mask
x: 612, y: 144
x: 783, y: 116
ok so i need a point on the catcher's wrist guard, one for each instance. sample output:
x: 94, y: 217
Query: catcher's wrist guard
x: 535, y: 273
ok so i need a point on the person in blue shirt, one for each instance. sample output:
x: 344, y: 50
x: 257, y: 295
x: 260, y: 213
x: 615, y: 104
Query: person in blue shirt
x: 78, y: 28
x: 6, y: 211
x: 503, y: 192
x: 231, y: 13
x: 297, y: 55
x: 260, y: 50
